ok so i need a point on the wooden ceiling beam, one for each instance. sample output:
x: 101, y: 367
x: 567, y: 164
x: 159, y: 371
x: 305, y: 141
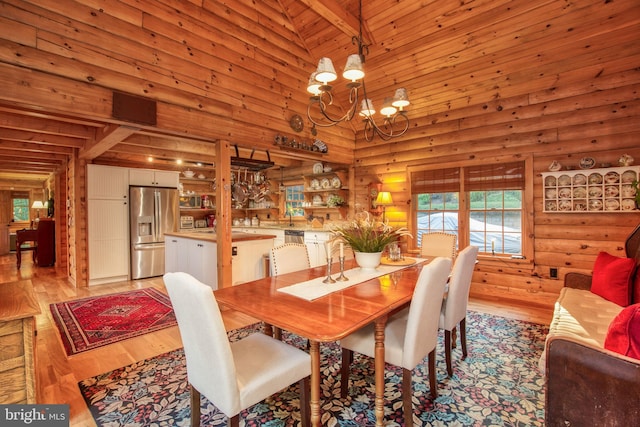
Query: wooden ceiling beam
x: 337, y: 16
x: 34, y: 147
x: 105, y: 139
x: 43, y: 138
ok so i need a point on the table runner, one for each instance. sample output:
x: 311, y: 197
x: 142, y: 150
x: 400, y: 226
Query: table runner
x: 314, y: 288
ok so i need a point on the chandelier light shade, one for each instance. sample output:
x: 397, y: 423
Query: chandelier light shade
x: 395, y: 120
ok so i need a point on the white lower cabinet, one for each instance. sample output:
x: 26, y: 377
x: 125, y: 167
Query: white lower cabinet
x: 108, y: 243
x: 316, y: 242
x: 247, y: 261
x: 196, y: 257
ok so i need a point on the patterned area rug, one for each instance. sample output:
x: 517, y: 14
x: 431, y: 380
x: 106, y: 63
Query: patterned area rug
x: 93, y: 322
x: 498, y: 384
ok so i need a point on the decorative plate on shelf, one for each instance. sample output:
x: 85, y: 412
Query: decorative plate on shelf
x: 315, y: 184
x: 587, y: 162
x: 317, y: 167
x: 325, y: 184
x: 317, y: 200
x: 336, y: 183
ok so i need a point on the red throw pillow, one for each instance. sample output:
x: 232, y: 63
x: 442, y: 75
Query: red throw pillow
x: 623, y: 335
x: 612, y: 278
x: 636, y: 285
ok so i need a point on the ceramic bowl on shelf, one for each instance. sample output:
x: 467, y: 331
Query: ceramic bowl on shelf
x: 550, y: 180
x: 628, y: 204
x: 579, y: 179
x: 595, y: 192
x: 564, y: 205
x: 579, y: 206
x: 611, y: 191
x: 628, y: 177
x: 611, y: 204
x: 188, y: 173
x: 628, y: 190
x: 564, y: 193
x: 612, y: 177
x: 579, y: 193
x: 595, y: 205
x: 595, y: 178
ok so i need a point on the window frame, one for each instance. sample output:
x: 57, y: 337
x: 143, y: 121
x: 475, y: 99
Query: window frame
x: 20, y: 196
x: 298, y: 211
x: 464, y: 203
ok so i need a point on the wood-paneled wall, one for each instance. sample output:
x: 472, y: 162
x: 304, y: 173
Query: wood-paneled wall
x: 597, y: 117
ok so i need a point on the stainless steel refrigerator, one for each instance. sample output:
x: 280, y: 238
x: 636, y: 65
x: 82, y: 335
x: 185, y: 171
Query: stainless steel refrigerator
x: 153, y: 212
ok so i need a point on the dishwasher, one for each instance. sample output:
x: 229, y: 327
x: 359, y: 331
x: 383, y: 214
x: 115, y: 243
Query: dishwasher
x: 294, y: 236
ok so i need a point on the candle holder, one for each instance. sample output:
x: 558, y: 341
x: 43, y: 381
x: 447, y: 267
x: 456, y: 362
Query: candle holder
x: 328, y: 278
x: 342, y: 277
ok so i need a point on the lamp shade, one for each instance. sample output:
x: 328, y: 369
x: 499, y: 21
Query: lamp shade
x: 367, y: 108
x: 384, y: 199
x: 314, y: 86
x: 401, y: 99
x: 37, y: 205
x: 325, y: 72
x: 353, y: 70
x: 388, y: 109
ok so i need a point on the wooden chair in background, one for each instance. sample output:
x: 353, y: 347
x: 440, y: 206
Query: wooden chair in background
x: 26, y: 240
x: 437, y: 244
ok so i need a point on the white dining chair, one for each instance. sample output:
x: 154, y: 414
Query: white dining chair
x: 288, y: 257
x: 233, y: 376
x: 454, y: 305
x: 410, y: 335
x: 437, y: 244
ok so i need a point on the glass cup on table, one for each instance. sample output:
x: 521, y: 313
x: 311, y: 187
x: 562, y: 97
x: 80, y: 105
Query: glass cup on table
x: 395, y: 253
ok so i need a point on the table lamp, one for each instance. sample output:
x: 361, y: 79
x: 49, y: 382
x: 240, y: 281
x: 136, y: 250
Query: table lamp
x: 384, y: 199
x: 37, y: 205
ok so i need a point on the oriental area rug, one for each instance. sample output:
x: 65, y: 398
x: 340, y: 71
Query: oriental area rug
x: 88, y: 323
x: 498, y: 384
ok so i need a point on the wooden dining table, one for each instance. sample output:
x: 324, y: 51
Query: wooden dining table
x: 327, y: 318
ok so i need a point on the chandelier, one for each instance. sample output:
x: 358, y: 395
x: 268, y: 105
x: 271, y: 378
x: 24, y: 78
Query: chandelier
x: 395, y: 121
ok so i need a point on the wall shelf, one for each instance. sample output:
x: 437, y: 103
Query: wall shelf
x: 605, y: 190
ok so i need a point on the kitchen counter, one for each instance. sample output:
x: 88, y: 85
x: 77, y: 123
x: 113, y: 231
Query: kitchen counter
x: 210, y: 236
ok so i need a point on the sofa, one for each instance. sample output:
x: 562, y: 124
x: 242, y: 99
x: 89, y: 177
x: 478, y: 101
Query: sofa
x: 587, y: 383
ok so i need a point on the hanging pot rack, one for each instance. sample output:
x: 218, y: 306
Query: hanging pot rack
x: 250, y: 163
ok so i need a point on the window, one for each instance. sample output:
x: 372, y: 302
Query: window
x: 294, y: 198
x: 481, y: 204
x: 20, y: 204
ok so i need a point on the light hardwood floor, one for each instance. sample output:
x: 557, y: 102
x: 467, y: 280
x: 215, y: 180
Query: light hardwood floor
x: 58, y: 375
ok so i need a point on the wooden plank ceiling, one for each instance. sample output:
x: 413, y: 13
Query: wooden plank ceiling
x: 238, y: 70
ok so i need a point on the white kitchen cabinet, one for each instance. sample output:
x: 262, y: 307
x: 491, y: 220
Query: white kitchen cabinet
x: 154, y: 178
x: 247, y: 261
x: 193, y: 256
x: 108, y: 223
x: 316, y: 242
x: 107, y: 182
x: 108, y: 241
